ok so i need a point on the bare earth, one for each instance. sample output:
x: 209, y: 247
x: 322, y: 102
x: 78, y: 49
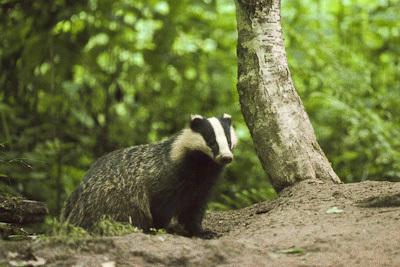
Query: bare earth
x: 293, y: 230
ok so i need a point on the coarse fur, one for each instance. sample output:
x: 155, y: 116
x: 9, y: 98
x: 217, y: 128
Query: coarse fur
x: 148, y: 185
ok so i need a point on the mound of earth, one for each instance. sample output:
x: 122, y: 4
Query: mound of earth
x: 310, y: 224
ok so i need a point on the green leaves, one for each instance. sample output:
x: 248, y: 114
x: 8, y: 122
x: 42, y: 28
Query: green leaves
x: 81, y: 80
x: 344, y: 69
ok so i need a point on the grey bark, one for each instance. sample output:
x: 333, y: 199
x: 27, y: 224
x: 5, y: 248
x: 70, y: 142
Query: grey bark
x: 281, y: 130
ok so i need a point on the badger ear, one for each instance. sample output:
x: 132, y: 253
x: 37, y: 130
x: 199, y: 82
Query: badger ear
x: 195, y: 116
x: 234, y: 138
x: 195, y: 121
x: 227, y: 117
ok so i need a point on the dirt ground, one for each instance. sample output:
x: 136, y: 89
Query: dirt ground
x: 310, y: 224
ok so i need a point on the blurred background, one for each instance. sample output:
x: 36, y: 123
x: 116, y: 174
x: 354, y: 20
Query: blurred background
x: 81, y: 78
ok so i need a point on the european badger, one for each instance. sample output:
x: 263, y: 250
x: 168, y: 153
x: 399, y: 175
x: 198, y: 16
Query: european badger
x: 148, y: 185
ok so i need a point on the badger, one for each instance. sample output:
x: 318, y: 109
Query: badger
x: 148, y: 185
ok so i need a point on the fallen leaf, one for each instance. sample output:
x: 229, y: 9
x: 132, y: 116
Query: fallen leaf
x: 334, y: 210
x: 108, y: 264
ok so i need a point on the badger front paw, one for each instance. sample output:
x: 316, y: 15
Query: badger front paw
x: 198, y: 231
x: 193, y: 229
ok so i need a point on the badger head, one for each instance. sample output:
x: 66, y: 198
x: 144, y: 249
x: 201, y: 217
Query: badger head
x: 213, y: 136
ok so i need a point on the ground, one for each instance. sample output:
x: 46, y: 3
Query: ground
x: 310, y: 224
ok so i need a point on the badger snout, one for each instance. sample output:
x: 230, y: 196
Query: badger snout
x: 224, y: 158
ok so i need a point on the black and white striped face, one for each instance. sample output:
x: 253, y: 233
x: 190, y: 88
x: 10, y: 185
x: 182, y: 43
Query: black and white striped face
x: 218, y: 134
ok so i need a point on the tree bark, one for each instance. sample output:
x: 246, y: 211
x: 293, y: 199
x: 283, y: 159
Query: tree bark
x: 281, y: 130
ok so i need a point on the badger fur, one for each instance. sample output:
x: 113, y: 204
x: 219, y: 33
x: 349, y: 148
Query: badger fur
x: 148, y: 185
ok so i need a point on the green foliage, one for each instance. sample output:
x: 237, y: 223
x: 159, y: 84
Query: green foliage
x: 7, y: 191
x: 79, y: 79
x: 345, y: 68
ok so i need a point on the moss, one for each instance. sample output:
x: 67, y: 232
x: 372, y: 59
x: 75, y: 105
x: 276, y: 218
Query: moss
x: 71, y: 235
x: 154, y: 231
x: 109, y: 227
x: 63, y: 232
x: 56, y: 232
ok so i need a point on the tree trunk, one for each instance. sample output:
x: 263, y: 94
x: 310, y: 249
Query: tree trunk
x: 281, y: 130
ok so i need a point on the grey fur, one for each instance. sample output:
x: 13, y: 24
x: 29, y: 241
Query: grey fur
x: 144, y: 186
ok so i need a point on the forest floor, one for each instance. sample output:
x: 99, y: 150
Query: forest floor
x: 310, y: 224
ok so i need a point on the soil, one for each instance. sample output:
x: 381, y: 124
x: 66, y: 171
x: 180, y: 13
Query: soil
x: 310, y: 224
